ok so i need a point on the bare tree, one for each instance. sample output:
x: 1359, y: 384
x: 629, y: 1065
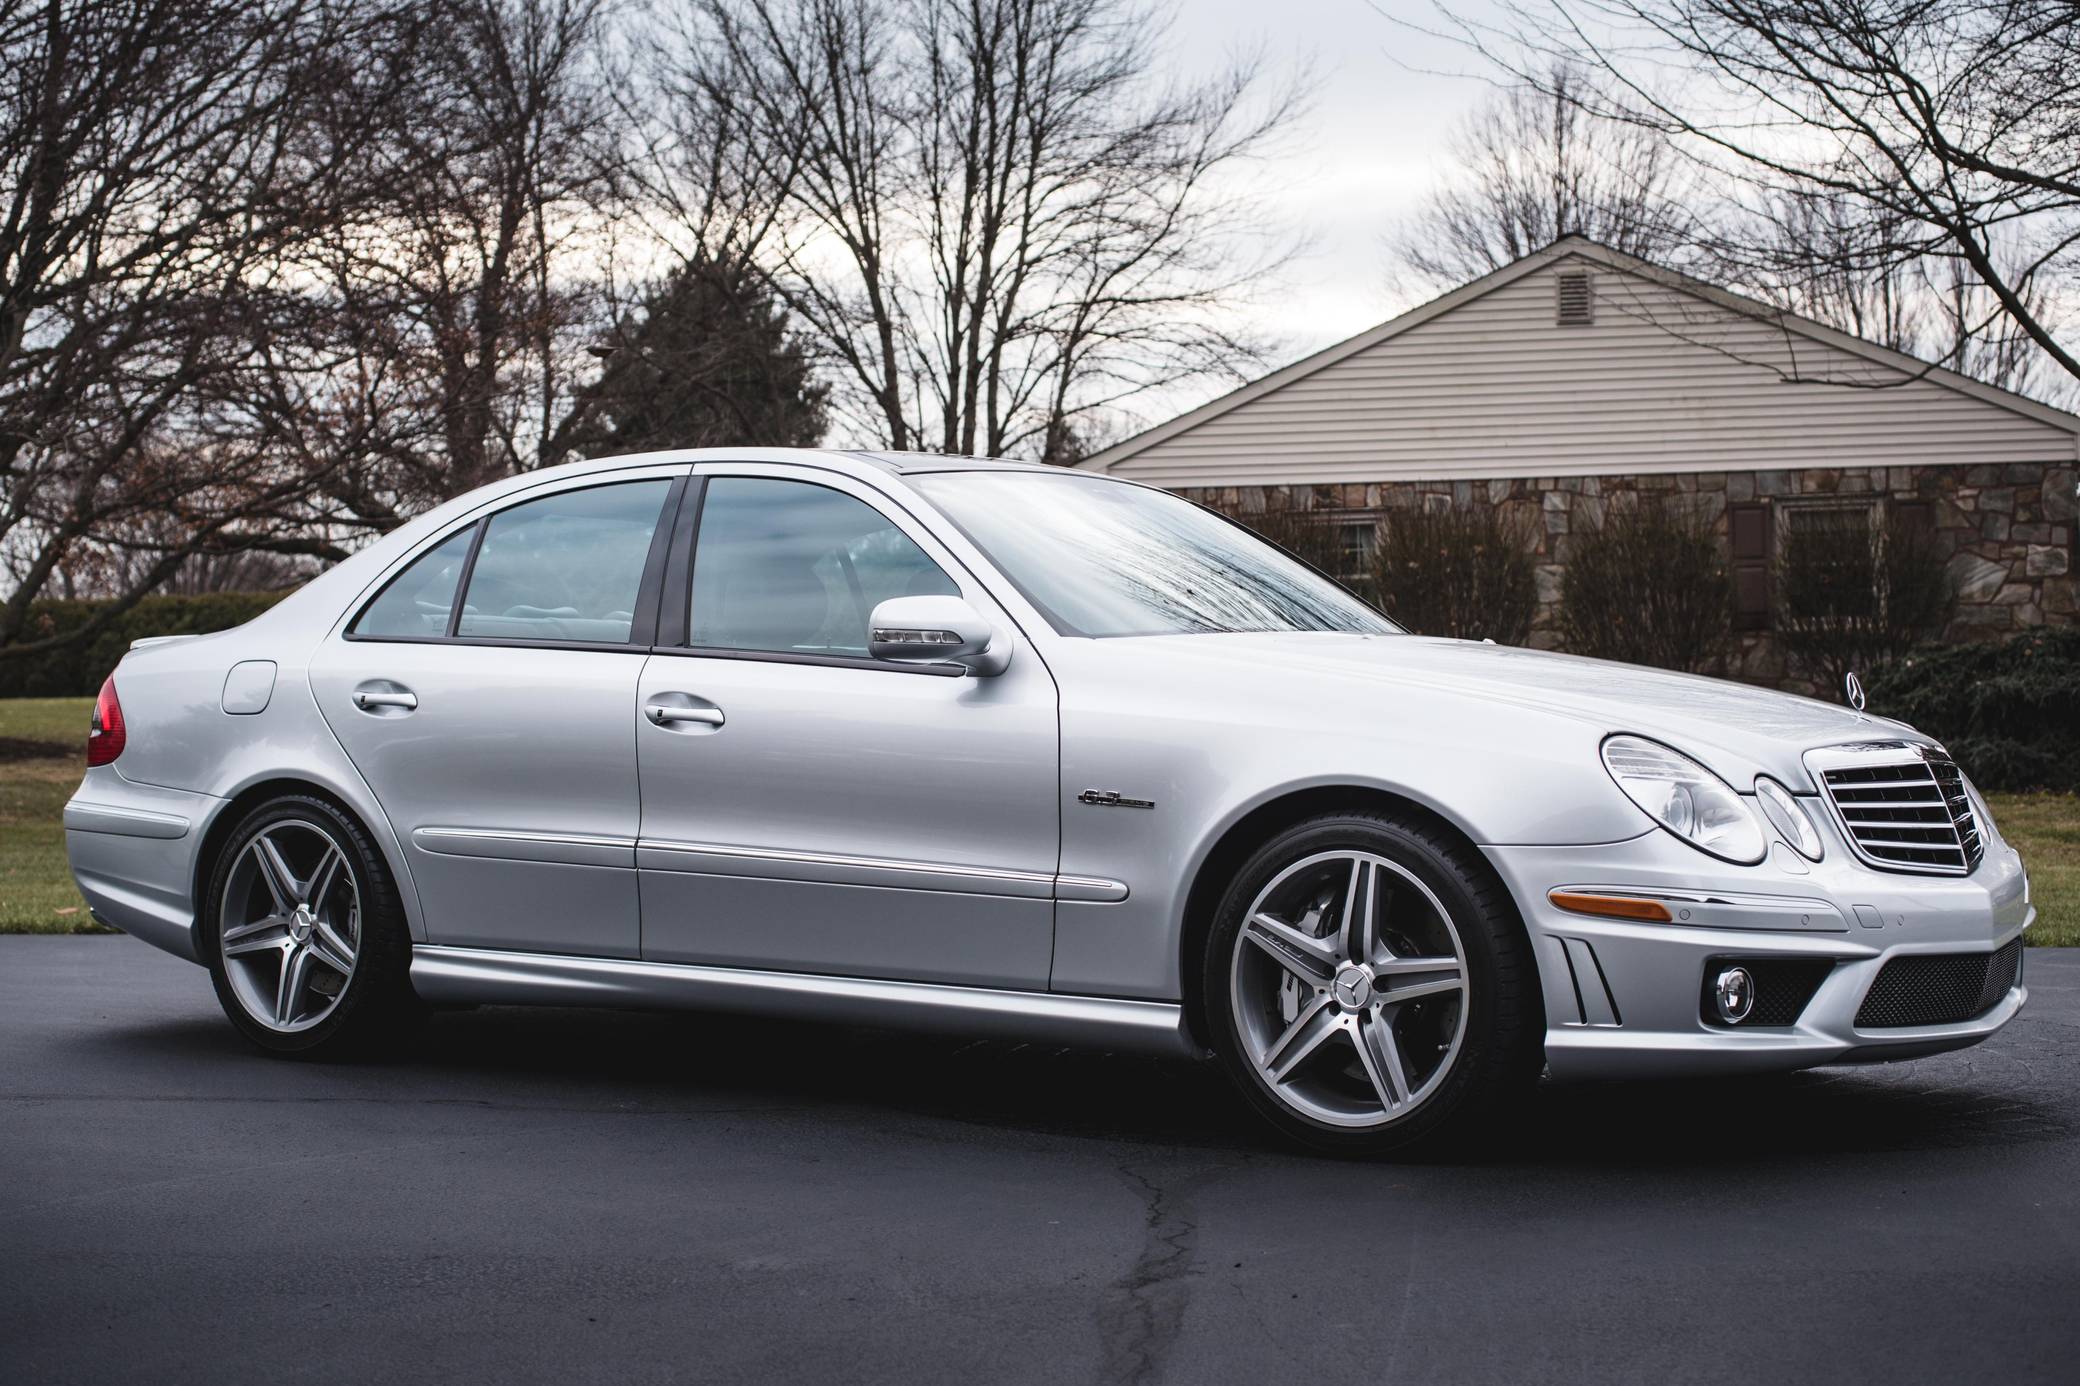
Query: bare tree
x: 1951, y: 128
x: 1812, y: 253
x: 444, y: 324
x: 993, y: 219
x: 1531, y: 165
x: 157, y: 156
x: 277, y: 275
x: 1837, y: 261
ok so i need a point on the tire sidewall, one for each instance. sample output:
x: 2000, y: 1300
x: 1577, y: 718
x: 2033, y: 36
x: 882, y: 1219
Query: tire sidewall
x: 1481, y: 936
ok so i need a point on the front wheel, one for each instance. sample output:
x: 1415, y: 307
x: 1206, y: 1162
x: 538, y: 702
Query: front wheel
x: 305, y: 935
x: 1370, y: 987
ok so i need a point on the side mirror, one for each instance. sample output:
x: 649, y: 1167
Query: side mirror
x: 936, y: 630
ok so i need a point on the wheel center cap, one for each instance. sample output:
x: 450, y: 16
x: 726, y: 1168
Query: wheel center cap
x: 301, y: 923
x: 1353, y: 988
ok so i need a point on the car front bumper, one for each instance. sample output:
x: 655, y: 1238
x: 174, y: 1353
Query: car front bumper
x: 1626, y: 999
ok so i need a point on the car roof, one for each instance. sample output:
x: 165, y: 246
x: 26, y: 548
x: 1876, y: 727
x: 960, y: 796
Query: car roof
x: 911, y: 463
x: 841, y: 460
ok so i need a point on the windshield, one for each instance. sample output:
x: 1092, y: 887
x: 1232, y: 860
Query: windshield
x: 1104, y: 558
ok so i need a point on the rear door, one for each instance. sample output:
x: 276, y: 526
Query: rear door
x: 833, y: 813
x: 499, y: 734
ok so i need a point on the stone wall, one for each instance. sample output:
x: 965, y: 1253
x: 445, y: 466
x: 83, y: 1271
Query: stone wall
x: 2008, y: 532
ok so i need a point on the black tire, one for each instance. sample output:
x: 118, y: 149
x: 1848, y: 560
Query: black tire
x: 374, y: 1011
x: 1499, y: 1052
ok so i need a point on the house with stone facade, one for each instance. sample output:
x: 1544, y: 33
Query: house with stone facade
x: 1579, y: 374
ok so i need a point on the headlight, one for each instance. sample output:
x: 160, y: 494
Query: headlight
x: 1684, y: 797
x: 1788, y: 816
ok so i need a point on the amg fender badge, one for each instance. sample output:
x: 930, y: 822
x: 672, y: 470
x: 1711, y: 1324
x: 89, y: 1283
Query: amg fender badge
x: 1111, y: 798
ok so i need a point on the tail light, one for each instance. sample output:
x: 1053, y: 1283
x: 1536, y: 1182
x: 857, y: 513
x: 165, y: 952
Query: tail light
x: 105, y: 739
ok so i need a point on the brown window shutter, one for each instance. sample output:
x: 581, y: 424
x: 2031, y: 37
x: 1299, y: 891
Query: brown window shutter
x: 1747, y: 528
x: 1915, y: 517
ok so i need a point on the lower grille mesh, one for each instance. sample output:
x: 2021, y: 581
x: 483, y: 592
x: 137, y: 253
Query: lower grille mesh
x: 1939, y: 988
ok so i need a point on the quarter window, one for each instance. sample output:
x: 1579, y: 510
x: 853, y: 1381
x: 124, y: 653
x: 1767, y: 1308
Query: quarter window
x: 793, y: 567
x: 565, y: 567
x: 417, y: 603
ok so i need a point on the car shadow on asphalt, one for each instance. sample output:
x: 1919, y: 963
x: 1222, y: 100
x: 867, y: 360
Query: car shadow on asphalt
x: 606, y: 1060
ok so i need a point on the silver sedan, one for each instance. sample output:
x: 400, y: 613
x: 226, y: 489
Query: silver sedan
x: 1006, y: 750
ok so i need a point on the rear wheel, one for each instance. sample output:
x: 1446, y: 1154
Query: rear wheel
x: 1370, y: 987
x: 306, y: 938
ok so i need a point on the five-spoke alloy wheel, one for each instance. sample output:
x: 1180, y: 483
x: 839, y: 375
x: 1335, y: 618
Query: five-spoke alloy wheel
x: 309, y: 952
x: 1350, y: 984
x: 1369, y: 984
x: 291, y: 925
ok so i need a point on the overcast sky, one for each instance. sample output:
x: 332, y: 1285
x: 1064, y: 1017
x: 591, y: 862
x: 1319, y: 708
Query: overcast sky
x: 1383, y: 100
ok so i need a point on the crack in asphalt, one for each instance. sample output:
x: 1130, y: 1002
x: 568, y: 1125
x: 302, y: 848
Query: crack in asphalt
x: 1140, y: 1316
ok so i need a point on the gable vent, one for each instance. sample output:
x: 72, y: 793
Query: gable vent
x: 1574, y: 300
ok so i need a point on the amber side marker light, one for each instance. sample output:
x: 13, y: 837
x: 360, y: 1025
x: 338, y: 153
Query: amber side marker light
x: 1612, y: 906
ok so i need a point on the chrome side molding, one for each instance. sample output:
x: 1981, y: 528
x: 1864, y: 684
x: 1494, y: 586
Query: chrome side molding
x: 489, y: 976
x: 721, y: 859
x: 725, y: 859
x: 515, y: 845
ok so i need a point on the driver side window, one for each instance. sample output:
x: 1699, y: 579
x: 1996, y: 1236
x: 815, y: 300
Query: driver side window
x: 797, y: 568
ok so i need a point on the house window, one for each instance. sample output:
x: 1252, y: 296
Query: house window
x: 1356, y: 542
x: 1828, y: 554
x: 1844, y: 537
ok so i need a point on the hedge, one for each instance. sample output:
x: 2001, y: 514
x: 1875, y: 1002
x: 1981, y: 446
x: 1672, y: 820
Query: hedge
x: 2009, y: 711
x: 1465, y: 572
x: 1648, y: 584
x: 78, y: 669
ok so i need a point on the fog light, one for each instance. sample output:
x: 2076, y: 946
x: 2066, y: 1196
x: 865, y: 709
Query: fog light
x: 1734, y: 993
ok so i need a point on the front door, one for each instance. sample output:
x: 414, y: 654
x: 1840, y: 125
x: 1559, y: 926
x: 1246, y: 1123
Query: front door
x: 499, y: 734
x: 810, y: 809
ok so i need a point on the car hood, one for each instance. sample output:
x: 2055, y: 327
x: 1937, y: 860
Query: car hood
x: 1735, y: 728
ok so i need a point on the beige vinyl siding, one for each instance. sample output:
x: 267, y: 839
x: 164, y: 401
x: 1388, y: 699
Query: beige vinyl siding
x: 1664, y: 381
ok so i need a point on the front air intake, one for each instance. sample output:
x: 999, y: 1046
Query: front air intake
x: 1939, y: 988
x: 1902, y: 807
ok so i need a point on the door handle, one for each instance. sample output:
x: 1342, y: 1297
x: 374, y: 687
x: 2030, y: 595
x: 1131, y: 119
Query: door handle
x: 664, y: 714
x: 366, y: 699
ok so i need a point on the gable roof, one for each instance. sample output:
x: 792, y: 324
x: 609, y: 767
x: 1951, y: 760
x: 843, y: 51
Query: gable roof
x: 1575, y: 247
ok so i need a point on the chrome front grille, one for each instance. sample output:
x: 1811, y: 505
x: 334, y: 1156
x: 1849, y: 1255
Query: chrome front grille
x: 1903, y: 807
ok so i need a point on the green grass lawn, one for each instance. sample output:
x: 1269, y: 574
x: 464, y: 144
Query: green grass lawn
x: 42, y: 755
x: 37, y: 896
x: 2045, y: 828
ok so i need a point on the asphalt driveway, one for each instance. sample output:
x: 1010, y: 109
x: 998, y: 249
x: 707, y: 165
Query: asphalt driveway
x: 550, y: 1195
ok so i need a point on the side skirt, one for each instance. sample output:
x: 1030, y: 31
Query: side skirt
x: 492, y: 977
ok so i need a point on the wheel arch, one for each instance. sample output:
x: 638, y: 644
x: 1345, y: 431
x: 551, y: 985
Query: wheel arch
x: 233, y: 810
x: 1258, y: 825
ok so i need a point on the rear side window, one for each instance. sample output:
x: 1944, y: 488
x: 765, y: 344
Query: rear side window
x: 417, y: 603
x: 797, y: 568
x: 565, y: 567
